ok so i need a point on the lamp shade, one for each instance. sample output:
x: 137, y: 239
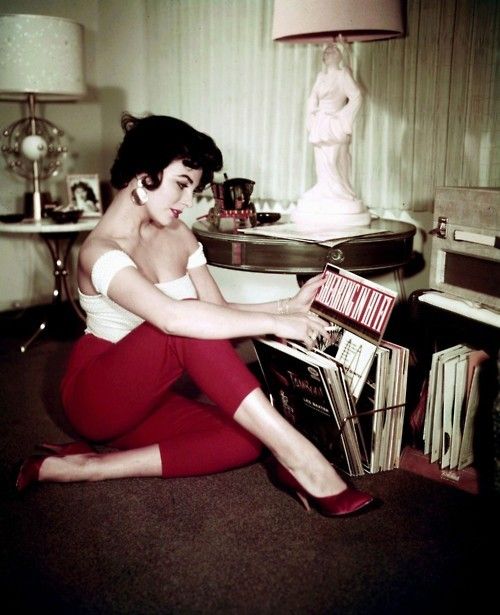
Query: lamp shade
x: 41, y: 55
x: 319, y: 21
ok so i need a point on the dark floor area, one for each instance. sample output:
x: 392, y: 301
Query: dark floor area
x: 227, y: 543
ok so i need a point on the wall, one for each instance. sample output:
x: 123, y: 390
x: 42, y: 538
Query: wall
x: 25, y: 271
x: 433, y: 105
x: 113, y: 71
x: 429, y: 116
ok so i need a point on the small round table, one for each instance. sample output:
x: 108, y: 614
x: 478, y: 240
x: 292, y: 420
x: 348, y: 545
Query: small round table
x: 59, y: 239
x: 387, y: 250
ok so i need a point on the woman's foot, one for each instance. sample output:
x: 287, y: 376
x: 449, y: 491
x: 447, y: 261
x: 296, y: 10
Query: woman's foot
x: 29, y: 471
x: 74, y: 463
x: 345, y: 502
x: 60, y: 468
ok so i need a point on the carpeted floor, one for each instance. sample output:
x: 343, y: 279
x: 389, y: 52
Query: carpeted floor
x: 228, y: 543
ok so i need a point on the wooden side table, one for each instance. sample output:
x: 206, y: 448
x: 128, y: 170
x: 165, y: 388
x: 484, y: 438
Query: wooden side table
x: 378, y: 253
x: 59, y: 239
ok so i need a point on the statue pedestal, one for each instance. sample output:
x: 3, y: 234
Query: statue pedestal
x: 330, y: 213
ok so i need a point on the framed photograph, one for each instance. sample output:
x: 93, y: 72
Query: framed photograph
x: 84, y: 193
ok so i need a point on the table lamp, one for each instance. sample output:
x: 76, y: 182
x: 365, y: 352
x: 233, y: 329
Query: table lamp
x: 41, y: 59
x: 335, y: 98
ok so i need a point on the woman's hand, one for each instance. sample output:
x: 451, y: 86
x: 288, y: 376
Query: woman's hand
x: 305, y: 328
x: 301, y: 302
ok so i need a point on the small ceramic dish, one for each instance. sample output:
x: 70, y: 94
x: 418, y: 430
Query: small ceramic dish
x: 63, y: 215
x: 11, y: 218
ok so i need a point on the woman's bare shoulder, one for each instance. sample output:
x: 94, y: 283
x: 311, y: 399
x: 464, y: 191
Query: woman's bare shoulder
x: 94, y: 247
x: 186, y: 236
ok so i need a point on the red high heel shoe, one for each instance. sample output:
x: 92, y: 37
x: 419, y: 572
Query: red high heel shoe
x: 30, y: 468
x: 29, y: 471
x: 346, y: 502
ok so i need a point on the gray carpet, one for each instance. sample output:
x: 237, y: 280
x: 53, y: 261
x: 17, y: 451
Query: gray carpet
x: 228, y: 543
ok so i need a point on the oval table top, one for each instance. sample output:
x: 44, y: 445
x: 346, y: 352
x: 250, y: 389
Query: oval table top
x: 375, y: 253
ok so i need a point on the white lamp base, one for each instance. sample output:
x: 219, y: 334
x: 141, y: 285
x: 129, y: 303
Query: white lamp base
x: 327, y: 213
x: 37, y: 206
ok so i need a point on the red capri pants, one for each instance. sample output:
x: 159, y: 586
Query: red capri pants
x: 120, y: 395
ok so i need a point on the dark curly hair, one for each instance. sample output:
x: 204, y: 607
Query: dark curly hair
x: 151, y: 143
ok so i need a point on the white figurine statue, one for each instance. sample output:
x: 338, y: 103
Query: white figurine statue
x: 331, y: 110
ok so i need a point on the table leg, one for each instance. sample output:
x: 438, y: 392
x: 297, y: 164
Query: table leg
x: 61, y: 273
x: 399, y: 279
x: 59, y: 254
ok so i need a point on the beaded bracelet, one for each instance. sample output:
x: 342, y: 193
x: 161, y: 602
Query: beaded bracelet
x: 283, y: 306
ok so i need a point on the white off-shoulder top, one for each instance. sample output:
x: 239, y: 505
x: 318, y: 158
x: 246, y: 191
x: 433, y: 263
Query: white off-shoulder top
x: 108, y: 320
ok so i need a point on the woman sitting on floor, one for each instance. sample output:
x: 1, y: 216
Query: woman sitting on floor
x: 153, y: 312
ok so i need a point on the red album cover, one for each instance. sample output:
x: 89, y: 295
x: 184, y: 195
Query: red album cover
x: 355, y: 303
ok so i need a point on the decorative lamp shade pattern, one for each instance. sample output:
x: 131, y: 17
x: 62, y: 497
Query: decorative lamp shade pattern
x: 41, y: 55
x: 319, y: 21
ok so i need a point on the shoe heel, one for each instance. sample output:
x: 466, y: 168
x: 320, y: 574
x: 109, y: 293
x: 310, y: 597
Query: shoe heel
x: 303, y: 500
x: 29, y: 471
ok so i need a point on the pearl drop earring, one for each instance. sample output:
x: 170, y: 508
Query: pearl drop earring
x: 139, y: 194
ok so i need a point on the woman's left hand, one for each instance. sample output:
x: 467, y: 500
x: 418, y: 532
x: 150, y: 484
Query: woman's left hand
x: 301, y: 302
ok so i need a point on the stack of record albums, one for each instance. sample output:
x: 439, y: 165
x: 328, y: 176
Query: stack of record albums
x: 346, y: 394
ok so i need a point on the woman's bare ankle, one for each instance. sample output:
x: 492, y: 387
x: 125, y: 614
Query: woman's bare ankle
x: 317, y: 477
x: 69, y: 468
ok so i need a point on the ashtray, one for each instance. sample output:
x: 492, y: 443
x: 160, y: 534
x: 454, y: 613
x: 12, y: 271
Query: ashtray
x: 11, y: 218
x: 63, y: 215
x: 267, y: 217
